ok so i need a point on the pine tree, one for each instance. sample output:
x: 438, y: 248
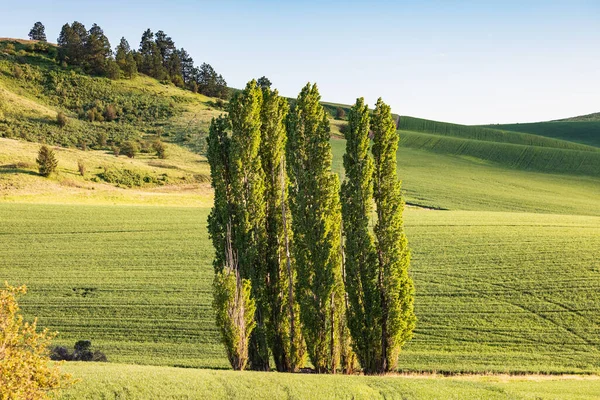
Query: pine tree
x: 248, y: 190
x: 361, y: 268
x: 38, y: 32
x: 98, y: 51
x: 283, y: 325
x: 234, y: 307
x: 121, y: 52
x: 315, y: 207
x: 395, y: 287
x: 71, y: 43
x: 46, y: 161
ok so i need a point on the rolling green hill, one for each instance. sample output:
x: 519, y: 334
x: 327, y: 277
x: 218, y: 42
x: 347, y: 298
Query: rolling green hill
x: 486, y: 134
x: 579, y: 131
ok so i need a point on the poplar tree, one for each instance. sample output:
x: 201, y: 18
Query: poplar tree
x: 315, y: 207
x: 395, y: 287
x: 361, y: 268
x: 283, y: 325
x: 248, y: 190
x: 234, y: 307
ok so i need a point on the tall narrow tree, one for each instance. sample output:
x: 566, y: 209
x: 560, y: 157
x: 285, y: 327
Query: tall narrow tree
x: 314, y: 202
x: 248, y: 189
x: 234, y: 307
x: 395, y: 287
x: 361, y: 277
x: 283, y: 333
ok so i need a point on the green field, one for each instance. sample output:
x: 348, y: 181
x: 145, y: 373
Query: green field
x: 138, y: 382
x: 502, y: 292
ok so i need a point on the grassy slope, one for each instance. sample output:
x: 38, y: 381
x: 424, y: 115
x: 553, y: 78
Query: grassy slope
x: 137, y: 382
x: 584, y: 132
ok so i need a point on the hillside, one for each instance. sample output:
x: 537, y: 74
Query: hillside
x: 584, y: 129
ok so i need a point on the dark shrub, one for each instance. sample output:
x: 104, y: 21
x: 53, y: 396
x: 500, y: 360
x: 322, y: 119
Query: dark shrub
x: 110, y: 113
x: 81, y: 167
x: 340, y: 113
x: 130, y: 148
x: 61, y: 119
x: 59, y: 353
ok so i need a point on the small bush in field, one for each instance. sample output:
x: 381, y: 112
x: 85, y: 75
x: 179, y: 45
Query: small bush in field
x: 116, y: 150
x: 130, y: 148
x: 161, y: 150
x: 110, y: 113
x: 83, y: 352
x: 46, y: 161
x: 81, y: 167
x: 61, y: 119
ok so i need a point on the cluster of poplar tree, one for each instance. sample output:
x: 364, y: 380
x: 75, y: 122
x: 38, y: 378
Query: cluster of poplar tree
x: 300, y: 269
x: 157, y: 57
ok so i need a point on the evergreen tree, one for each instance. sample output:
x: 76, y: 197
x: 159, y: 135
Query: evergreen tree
x: 38, y: 32
x: 165, y: 45
x: 264, y: 82
x: 395, y: 287
x: 98, y: 51
x: 46, y: 161
x: 248, y: 190
x: 146, y: 53
x: 125, y: 59
x: 187, y: 66
x: 315, y: 207
x: 121, y: 53
x: 283, y: 325
x: 71, y: 43
x: 361, y: 268
x: 234, y: 307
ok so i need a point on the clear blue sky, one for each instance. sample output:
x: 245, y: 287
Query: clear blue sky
x: 459, y: 61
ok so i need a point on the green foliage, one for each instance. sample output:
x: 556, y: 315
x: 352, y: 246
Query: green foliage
x: 396, y: 287
x: 340, y: 113
x: 315, y: 207
x: 249, y: 208
x: 24, y: 369
x: 81, y: 167
x: 282, y: 320
x: 264, y: 83
x: 61, y: 119
x: 136, y: 108
x: 129, y: 178
x: 130, y: 148
x: 234, y: 304
x: 38, y: 32
x: 362, y: 273
x: 235, y: 309
x: 160, y: 149
x: 46, y: 161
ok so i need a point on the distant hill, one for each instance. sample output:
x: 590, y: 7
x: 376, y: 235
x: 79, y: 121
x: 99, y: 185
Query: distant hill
x: 581, y: 118
x: 584, y: 129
